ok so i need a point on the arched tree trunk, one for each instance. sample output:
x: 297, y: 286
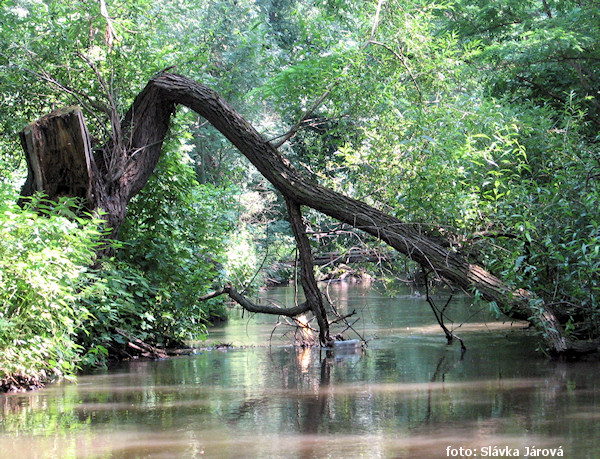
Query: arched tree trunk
x: 122, y: 172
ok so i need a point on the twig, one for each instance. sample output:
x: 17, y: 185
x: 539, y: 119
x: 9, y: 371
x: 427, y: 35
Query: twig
x: 288, y: 135
x: 351, y: 327
x: 402, y: 59
x: 343, y: 318
x: 439, y: 315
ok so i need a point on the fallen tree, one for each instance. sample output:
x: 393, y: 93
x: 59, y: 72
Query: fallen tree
x: 120, y: 169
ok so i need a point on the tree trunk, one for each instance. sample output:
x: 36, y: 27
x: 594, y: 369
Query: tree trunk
x: 123, y: 171
x: 61, y: 161
x: 314, y: 298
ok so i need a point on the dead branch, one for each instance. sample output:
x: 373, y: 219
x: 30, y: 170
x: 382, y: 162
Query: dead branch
x: 253, y: 307
x: 145, y: 349
x: 314, y: 297
x: 439, y: 314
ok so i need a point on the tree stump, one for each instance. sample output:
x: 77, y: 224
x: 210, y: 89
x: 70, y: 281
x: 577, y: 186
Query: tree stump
x: 59, y: 155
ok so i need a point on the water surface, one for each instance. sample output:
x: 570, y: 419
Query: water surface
x: 409, y: 395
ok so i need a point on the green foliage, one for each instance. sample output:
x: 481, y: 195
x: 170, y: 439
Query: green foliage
x: 470, y: 118
x: 59, y: 315
x: 541, y: 51
x: 43, y: 257
x: 179, y: 243
x: 117, y: 296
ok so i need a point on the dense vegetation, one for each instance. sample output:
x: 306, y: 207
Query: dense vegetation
x: 474, y: 119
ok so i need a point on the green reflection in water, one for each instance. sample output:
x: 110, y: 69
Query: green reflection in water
x: 409, y: 395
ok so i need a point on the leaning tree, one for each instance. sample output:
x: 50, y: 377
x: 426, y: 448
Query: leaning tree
x: 62, y: 161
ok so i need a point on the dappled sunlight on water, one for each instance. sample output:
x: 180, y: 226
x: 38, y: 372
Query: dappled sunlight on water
x: 408, y: 395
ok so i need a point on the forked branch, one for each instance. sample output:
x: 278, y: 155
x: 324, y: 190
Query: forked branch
x: 440, y: 313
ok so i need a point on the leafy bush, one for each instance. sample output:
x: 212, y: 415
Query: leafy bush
x: 176, y: 238
x: 43, y: 257
x: 59, y: 314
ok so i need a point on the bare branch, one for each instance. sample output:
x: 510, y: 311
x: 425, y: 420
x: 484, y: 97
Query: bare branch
x: 376, y: 20
x: 253, y: 307
x: 439, y: 315
x: 110, y: 35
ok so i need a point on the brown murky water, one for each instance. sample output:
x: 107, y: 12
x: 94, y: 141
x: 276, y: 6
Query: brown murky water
x: 408, y: 396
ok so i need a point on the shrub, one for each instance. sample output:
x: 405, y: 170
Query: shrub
x: 43, y: 256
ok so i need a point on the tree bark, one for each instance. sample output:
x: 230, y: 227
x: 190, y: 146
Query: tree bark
x: 59, y: 155
x: 61, y: 160
x: 314, y: 297
x: 123, y: 171
x: 257, y: 308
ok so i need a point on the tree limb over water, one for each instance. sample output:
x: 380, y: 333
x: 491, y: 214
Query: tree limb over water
x: 408, y: 239
x: 256, y: 308
x: 119, y: 172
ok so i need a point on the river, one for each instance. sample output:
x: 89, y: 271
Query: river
x: 408, y: 395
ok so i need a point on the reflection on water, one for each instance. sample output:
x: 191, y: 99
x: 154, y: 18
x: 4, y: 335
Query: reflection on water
x: 409, y: 396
